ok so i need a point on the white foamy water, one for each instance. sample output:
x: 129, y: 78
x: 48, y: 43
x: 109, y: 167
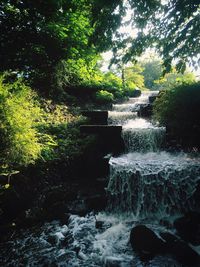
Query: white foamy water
x: 133, y: 104
x: 80, y: 244
x: 120, y: 118
x: 141, y: 135
x: 150, y: 184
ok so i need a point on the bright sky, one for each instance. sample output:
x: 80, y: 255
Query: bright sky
x: 130, y: 31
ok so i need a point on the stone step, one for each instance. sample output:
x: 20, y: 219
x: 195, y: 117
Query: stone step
x: 96, y: 116
x: 109, y: 137
x: 108, y: 130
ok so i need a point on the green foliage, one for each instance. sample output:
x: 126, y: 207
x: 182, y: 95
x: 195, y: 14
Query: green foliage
x: 19, y: 111
x: 35, y: 36
x: 179, y: 108
x: 172, y: 27
x: 152, y: 71
x: 133, y: 77
x: 103, y: 96
x: 173, y: 79
x: 68, y: 143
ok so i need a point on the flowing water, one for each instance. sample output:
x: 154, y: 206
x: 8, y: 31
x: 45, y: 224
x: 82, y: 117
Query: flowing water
x: 146, y: 185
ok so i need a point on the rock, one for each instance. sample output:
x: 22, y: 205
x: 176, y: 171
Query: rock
x: 96, y: 202
x: 112, y: 262
x: 145, y: 242
x: 180, y: 250
x: 96, y: 116
x: 145, y: 111
x: 184, y: 253
x: 109, y: 136
x: 188, y: 227
x: 152, y: 99
x: 99, y: 224
x: 57, y: 211
x: 58, y: 194
x: 136, y: 93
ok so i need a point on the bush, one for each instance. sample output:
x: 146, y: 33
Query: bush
x: 178, y: 108
x: 19, y: 112
x: 104, y: 96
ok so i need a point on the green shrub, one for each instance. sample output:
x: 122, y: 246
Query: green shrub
x: 19, y: 111
x: 179, y: 109
x: 104, y: 96
x: 68, y: 143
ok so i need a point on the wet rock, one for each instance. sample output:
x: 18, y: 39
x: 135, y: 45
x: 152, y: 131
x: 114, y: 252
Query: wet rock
x: 96, y: 116
x: 145, y: 242
x: 112, y: 262
x: 188, y: 227
x: 180, y: 250
x: 57, y: 211
x: 145, y: 111
x: 185, y: 254
x: 165, y: 223
x: 152, y: 99
x: 99, y: 224
x: 58, y: 194
x: 78, y: 208
x: 96, y: 203
x: 136, y: 93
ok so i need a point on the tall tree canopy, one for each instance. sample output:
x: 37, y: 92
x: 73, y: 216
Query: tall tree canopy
x: 36, y: 35
x: 171, y: 26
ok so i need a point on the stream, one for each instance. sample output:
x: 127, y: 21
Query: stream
x: 147, y: 185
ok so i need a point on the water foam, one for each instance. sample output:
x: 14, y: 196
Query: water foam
x: 153, y: 183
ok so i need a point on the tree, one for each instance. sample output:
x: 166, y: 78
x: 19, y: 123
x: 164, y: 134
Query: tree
x: 36, y: 35
x: 133, y: 77
x: 172, y: 27
x: 152, y: 71
x: 173, y: 79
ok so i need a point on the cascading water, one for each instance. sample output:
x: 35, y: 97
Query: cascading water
x: 120, y: 118
x: 145, y: 185
x: 147, y: 181
x: 158, y: 184
x: 141, y: 135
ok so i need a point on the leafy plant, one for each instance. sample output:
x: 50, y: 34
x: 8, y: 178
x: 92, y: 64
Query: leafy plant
x: 19, y: 112
x: 178, y: 108
x: 104, y: 96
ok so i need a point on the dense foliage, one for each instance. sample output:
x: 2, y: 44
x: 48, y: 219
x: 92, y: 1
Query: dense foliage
x: 33, y: 129
x: 178, y: 108
x: 19, y: 138
x: 152, y: 71
x: 35, y: 36
x: 173, y: 79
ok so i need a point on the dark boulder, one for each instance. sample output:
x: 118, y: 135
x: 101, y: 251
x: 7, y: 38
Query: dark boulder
x: 135, y: 93
x: 188, y: 227
x: 96, y: 116
x: 152, y: 98
x: 180, y: 250
x: 145, y: 111
x: 96, y: 203
x: 145, y: 242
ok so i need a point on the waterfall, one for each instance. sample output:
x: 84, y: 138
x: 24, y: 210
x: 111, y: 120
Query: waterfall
x: 141, y: 135
x: 120, y: 118
x: 147, y: 181
x: 146, y: 184
x: 153, y: 183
